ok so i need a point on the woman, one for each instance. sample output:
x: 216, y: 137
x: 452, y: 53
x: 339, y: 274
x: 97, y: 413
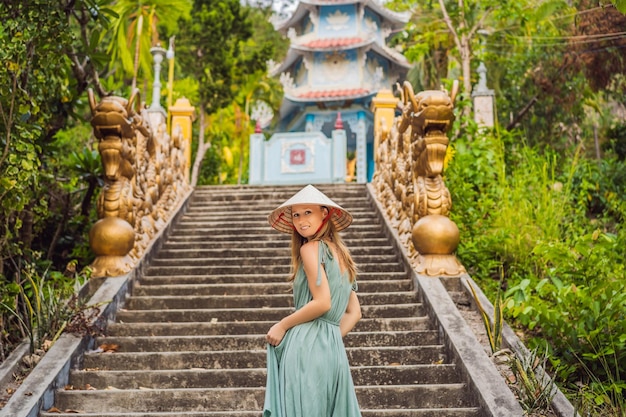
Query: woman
x: 308, y: 373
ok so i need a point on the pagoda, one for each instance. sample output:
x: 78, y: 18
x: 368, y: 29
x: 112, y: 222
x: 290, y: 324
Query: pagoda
x: 337, y: 61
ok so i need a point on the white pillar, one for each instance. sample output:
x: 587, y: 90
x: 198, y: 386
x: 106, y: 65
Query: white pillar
x: 339, y: 151
x: 158, y: 54
x: 361, y: 149
x: 257, y: 158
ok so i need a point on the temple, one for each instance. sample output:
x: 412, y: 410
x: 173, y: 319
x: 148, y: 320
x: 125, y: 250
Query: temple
x: 337, y: 62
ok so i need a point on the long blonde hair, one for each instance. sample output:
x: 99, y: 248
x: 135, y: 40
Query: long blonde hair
x: 328, y: 233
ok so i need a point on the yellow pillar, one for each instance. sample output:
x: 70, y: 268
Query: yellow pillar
x: 383, y: 107
x: 183, y: 114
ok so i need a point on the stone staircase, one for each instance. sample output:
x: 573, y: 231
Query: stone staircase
x: 189, y: 340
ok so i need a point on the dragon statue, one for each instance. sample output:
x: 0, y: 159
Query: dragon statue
x: 410, y: 154
x: 144, y: 180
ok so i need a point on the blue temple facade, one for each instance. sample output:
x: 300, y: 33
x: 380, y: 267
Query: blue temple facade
x: 337, y: 62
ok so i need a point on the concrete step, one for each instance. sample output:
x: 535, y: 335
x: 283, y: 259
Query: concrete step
x: 183, y: 241
x: 242, y: 359
x: 178, y: 289
x: 247, y: 279
x: 239, y: 252
x: 257, y: 341
x: 261, y: 233
x: 250, y: 301
x: 423, y: 412
x: 249, y: 377
x: 197, y: 314
x: 226, y: 269
x: 256, y: 260
x: 252, y: 327
x: 248, y: 399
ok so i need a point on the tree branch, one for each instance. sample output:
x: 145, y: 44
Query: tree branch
x: 8, y: 121
x: 448, y: 20
x: 522, y: 112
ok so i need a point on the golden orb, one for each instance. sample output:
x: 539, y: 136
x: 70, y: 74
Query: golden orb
x: 111, y: 236
x: 435, y: 235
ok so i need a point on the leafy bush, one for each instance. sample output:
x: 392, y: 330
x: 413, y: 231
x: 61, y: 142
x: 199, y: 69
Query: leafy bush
x: 36, y: 305
x: 554, y: 223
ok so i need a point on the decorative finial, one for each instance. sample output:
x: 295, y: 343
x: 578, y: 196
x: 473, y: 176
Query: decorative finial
x: 338, y: 122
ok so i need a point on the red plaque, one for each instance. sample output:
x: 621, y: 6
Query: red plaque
x: 297, y: 157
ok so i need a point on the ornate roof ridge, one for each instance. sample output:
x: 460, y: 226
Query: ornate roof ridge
x: 396, y: 18
x: 333, y: 42
x: 330, y: 94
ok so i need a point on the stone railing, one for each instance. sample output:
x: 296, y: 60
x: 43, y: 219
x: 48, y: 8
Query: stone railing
x: 409, y: 154
x: 145, y: 177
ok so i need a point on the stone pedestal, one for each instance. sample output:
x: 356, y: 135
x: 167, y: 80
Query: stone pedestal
x: 483, y: 100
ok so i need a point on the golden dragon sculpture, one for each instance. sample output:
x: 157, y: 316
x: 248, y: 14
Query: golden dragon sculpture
x: 144, y: 180
x: 410, y: 155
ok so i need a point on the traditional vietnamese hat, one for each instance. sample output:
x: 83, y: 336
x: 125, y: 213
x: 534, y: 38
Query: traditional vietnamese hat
x: 280, y: 218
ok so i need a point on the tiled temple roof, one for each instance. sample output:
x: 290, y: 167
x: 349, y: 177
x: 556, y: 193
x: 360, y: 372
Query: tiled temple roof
x: 330, y: 94
x: 332, y: 43
x: 397, y: 20
x: 320, y: 44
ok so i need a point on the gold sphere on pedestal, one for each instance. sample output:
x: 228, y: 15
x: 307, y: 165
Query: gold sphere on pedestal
x: 435, y: 235
x: 111, y: 236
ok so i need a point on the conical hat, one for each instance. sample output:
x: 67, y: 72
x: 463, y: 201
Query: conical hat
x: 280, y: 218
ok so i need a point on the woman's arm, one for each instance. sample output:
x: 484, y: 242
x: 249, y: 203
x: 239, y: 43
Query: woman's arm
x: 319, y: 304
x: 351, y: 316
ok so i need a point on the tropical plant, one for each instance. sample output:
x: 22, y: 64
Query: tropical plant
x: 39, y: 302
x: 535, y: 393
x: 136, y: 30
x: 493, y: 326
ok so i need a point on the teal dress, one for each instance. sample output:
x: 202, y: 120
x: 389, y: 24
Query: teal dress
x: 308, y: 374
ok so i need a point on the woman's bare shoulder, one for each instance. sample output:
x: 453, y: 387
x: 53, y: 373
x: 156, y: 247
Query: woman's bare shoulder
x: 309, y: 249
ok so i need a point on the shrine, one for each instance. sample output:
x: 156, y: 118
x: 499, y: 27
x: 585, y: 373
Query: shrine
x: 337, y: 62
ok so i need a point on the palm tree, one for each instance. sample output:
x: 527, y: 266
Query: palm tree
x: 135, y: 31
x: 254, y: 86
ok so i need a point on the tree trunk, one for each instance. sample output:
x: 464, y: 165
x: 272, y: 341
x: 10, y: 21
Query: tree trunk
x: 137, y: 51
x: 202, y: 148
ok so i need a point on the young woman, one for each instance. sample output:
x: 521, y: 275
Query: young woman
x: 308, y: 374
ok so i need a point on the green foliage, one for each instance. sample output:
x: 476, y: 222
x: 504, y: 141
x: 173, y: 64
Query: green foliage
x: 50, y: 53
x: 620, y: 5
x: 580, y: 306
x: 218, y: 49
x: 209, y: 48
x: 136, y: 29
x: 602, y: 398
x: 34, y: 88
x: 554, y: 223
x: 427, y: 43
x: 37, y: 302
x: 616, y: 136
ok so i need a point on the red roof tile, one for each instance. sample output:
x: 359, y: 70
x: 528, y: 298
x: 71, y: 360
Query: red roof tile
x: 333, y: 42
x: 339, y: 93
